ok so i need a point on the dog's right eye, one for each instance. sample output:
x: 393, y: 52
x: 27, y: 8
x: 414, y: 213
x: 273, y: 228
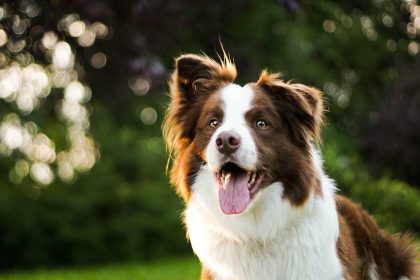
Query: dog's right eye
x: 213, y: 123
x: 261, y: 124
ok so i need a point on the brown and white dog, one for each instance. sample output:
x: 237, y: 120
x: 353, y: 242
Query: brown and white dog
x: 258, y: 203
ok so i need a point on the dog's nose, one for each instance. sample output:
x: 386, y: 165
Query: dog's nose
x: 228, y: 142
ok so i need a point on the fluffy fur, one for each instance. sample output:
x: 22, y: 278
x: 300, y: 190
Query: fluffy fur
x: 293, y: 225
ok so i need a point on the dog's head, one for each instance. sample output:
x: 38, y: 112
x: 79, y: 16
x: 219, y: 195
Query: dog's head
x: 249, y: 137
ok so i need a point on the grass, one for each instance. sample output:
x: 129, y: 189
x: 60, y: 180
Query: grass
x: 172, y: 269
x: 187, y: 268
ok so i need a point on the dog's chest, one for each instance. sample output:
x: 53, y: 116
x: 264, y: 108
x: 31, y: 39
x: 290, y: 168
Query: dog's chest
x: 279, y: 259
x: 307, y: 252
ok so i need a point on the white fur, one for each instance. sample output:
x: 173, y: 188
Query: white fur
x: 271, y: 239
x: 236, y: 102
x: 373, y: 272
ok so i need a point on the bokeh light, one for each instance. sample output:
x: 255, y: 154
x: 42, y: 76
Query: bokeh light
x: 98, y: 60
x: 77, y: 28
x: 49, y: 40
x: 329, y: 26
x: 25, y: 85
x: 87, y: 38
x: 346, y: 20
x: 63, y: 57
x: 368, y: 28
x: 42, y: 173
x: 387, y: 20
x: 391, y: 45
x: 413, y: 48
x: 11, y: 135
x: 100, y: 29
x: 139, y: 85
x: 148, y: 115
x: 3, y: 38
x: 74, y: 92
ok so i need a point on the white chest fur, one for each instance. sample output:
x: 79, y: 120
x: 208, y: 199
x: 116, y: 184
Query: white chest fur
x: 271, y: 240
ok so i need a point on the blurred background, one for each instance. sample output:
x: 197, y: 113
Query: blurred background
x: 83, y: 90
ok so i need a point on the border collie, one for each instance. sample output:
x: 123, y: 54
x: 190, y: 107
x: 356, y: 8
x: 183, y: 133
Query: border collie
x: 258, y: 203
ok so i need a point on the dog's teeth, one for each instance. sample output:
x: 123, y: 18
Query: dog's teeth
x: 227, y: 176
x: 252, y: 181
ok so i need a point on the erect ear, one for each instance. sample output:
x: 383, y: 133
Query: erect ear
x: 300, y: 105
x: 195, y: 74
x: 310, y: 101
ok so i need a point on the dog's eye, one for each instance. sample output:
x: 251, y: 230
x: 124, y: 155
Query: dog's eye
x: 213, y: 123
x: 261, y: 124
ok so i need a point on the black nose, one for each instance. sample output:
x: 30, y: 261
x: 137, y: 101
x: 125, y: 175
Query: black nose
x: 228, y: 142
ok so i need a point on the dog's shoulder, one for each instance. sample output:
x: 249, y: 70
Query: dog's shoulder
x: 369, y: 252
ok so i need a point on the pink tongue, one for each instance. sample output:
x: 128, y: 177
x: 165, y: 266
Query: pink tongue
x: 234, y: 195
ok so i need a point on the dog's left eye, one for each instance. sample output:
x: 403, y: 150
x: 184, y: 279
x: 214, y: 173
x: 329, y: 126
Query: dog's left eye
x: 213, y: 123
x: 261, y: 124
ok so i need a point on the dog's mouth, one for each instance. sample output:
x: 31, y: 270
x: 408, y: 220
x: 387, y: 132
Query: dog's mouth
x: 237, y: 187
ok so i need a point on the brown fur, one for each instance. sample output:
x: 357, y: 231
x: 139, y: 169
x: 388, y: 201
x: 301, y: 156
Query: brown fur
x: 205, y: 274
x: 347, y: 253
x: 195, y: 79
x: 303, y: 105
x: 295, y: 114
x: 361, y: 244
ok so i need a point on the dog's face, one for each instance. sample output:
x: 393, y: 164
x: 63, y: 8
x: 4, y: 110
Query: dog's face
x: 249, y: 137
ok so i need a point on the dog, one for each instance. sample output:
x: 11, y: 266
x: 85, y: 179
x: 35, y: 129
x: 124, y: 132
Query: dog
x: 258, y: 203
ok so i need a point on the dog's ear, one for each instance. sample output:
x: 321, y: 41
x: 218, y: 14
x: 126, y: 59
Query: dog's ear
x: 301, y: 106
x: 195, y: 75
x: 310, y: 101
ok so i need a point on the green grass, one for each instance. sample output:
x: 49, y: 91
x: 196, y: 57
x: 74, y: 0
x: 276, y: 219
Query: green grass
x: 187, y: 268
x: 173, y: 269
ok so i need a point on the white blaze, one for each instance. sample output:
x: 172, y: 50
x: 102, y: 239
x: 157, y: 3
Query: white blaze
x: 237, y: 101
